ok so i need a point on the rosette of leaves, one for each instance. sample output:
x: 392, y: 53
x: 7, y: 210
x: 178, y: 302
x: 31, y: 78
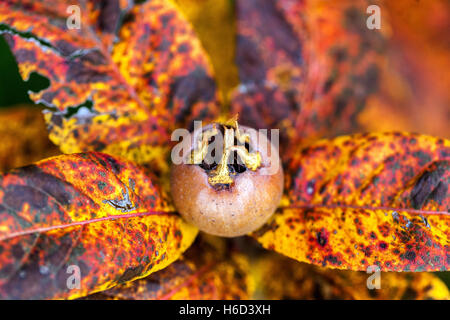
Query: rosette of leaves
x: 132, y: 73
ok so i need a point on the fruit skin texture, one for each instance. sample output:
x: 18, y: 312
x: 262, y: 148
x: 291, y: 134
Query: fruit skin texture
x: 239, y: 210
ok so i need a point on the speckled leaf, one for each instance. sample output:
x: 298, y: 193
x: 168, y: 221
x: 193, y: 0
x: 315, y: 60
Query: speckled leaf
x: 295, y: 280
x: 367, y: 199
x: 24, y: 137
x: 121, y: 101
x: 90, y: 211
x: 105, y: 17
x: 214, y: 23
x: 160, y: 56
x: 208, y: 270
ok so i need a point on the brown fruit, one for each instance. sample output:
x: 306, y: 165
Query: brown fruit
x: 233, y: 199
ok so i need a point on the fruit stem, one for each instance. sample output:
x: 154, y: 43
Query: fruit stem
x: 200, y: 153
x: 222, y: 175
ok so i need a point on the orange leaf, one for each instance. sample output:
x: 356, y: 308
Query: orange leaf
x: 123, y: 102
x: 160, y: 56
x: 296, y: 280
x: 91, y: 211
x: 208, y: 270
x: 367, y: 199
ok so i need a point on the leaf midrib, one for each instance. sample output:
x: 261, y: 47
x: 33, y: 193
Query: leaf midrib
x: 84, y: 222
x: 373, y: 208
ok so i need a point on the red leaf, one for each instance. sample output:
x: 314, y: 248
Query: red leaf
x: 91, y: 211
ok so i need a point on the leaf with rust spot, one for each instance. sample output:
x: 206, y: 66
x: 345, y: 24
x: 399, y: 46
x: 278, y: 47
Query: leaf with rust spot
x: 88, y: 210
x: 296, y: 280
x: 125, y: 100
x: 366, y: 199
x: 208, y: 270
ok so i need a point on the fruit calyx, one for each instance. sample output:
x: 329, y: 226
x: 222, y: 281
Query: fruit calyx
x: 236, y: 144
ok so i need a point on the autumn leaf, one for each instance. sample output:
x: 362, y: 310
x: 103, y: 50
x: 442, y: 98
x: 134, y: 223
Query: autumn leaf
x: 295, y: 280
x: 313, y: 69
x: 105, y: 16
x: 92, y: 211
x: 367, y: 199
x: 24, y: 137
x: 316, y: 61
x: 214, y: 24
x: 210, y: 269
x: 135, y: 70
x: 122, y: 101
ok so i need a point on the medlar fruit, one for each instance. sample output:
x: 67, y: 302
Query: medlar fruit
x: 235, y: 195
